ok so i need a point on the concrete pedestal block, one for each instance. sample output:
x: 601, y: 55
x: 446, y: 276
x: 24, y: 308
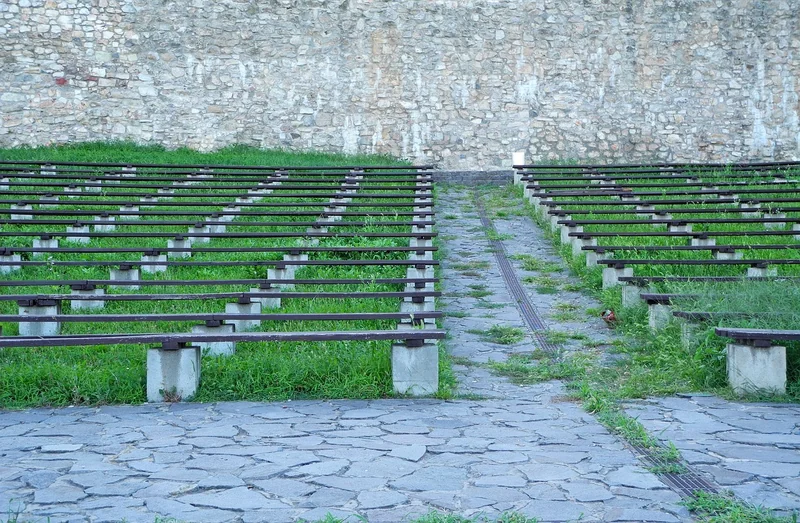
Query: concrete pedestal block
x: 421, y: 256
x: 48, y: 200
x: 629, y: 198
x: 775, y: 225
x: 124, y: 274
x: 128, y: 171
x: 703, y: 242
x: 420, y: 242
x: 79, y: 229
x: 728, y: 255
x: 20, y: 207
x: 592, y: 257
x: 756, y: 369
x: 796, y: 227
x: 166, y: 191
x: 200, y: 229
x: 426, y: 305
x: 296, y: 258
x: 215, y: 348
x: 243, y: 308
x: 414, y: 272
x: 611, y: 275
x: 317, y: 230
x: 753, y: 209
x: 660, y: 216
x: 4, y: 184
x: 578, y: 243
x: 10, y: 259
x: 411, y: 287
x: 154, y: 263
x: 129, y: 208
x: 44, y: 243
x: 266, y: 303
x: 216, y: 228
x: 566, y: 231
x: 630, y: 295
x: 230, y: 214
x: 679, y: 227
x: 174, y: 373
x: 243, y: 199
x: 658, y: 315
x: 183, y: 243
x: 108, y: 227
x: 415, y: 370
x: 646, y: 210
x: 761, y: 272
x: 73, y: 190
x: 77, y: 305
x: 286, y: 273
x: 97, y: 186
x: 40, y: 328
x: 690, y: 334
x: 47, y: 170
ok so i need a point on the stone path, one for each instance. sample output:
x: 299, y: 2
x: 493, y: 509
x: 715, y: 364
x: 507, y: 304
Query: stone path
x: 524, y: 449
x: 752, y: 449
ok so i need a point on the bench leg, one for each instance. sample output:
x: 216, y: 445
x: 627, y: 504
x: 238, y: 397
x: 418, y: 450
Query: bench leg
x: 215, y: 348
x: 658, y: 316
x: 172, y: 373
x: 415, y: 370
x: 756, y: 369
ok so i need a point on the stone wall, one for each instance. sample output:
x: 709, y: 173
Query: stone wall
x: 460, y: 83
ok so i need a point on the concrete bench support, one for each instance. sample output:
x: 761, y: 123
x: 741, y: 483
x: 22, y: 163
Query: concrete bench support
x: 775, y: 225
x: 77, y: 305
x: 180, y: 242
x: 796, y: 227
x: 21, y: 207
x: 124, y: 273
x: 172, y: 373
x: 566, y: 230
x: 215, y: 348
x: 415, y: 368
x: 756, y: 369
x: 611, y: 275
x: 679, y: 227
x: 129, y: 208
x: 39, y: 308
x: 200, y: 228
x: 752, y: 209
x: 266, y: 303
x: 578, y: 243
x: 96, y: 187
x: 73, y: 190
x: 420, y: 272
x: 658, y: 316
x: 154, y: 263
x: 728, y: 254
x: 418, y: 304
x: 703, y: 242
x: 4, y: 183
x: 761, y: 272
x: 78, y: 229
x: 107, y: 227
x: 630, y: 295
x: 10, y: 258
x: 244, y: 306
x: 45, y: 242
x: 420, y: 242
x: 281, y: 272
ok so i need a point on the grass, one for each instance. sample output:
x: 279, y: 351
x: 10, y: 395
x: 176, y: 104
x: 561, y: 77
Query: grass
x: 502, y: 334
x: 725, y: 508
x: 532, y: 263
x: 441, y: 517
x: 258, y: 371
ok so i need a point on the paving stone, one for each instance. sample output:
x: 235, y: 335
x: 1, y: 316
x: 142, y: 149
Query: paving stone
x: 554, y: 510
x: 239, y: 498
x: 285, y: 488
x: 218, y: 462
x: 633, y: 477
x: 545, y: 472
x: 500, y: 481
x: 126, y: 487
x: 40, y: 479
x: 64, y: 447
x: 165, y: 489
x: 323, y: 468
x: 58, y: 493
x: 383, y: 467
x: 432, y: 478
x: 321, y: 513
x: 356, y: 484
x: 263, y: 471
x: 327, y: 497
x: 766, y: 468
x: 380, y: 499
x: 639, y: 515
x: 409, y: 452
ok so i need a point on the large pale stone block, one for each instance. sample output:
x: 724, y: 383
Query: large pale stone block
x: 39, y: 308
x: 415, y: 370
x: 756, y: 369
x: 174, y: 373
x: 215, y: 348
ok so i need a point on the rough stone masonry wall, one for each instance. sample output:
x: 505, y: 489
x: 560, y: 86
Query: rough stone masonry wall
x: 462, y: 83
